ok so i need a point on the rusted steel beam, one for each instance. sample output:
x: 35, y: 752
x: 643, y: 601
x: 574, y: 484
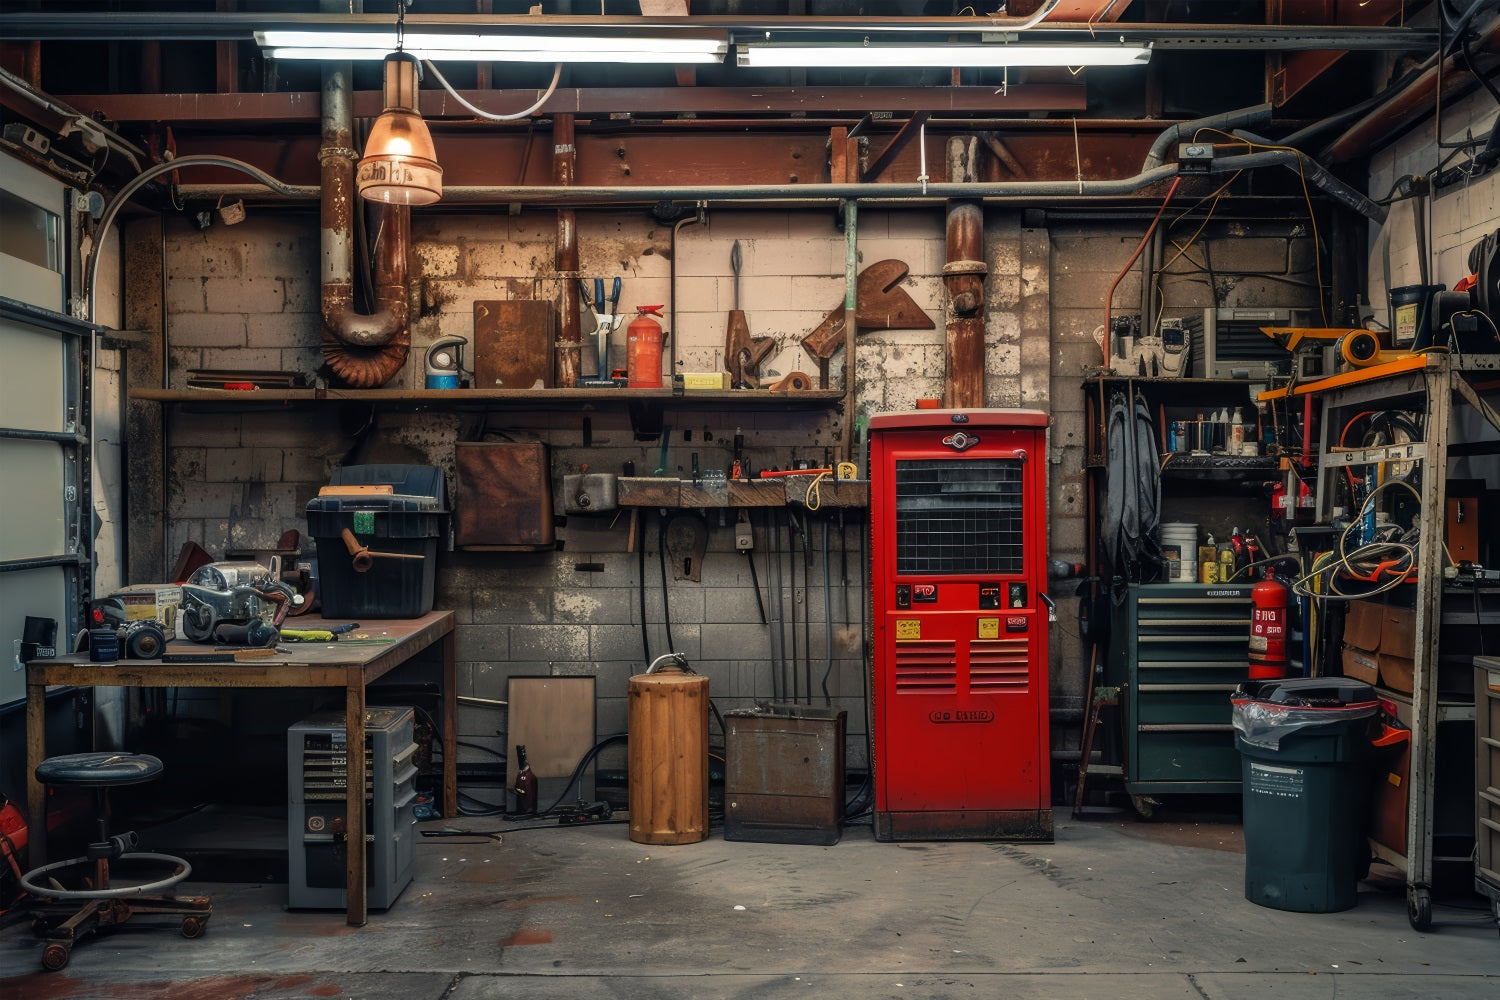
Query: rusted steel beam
x: 1287, y: 73
x: 654, y: 159
x: 899, y: 142
x: 299, y: 106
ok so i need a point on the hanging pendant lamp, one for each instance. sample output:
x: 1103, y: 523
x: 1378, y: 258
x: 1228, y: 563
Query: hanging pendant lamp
x: 400, y: 165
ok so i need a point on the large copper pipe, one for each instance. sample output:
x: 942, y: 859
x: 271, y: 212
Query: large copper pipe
x: 364, y: 352
x: 570, y: 325
x: 963, y: 281
x: 1416, y: 98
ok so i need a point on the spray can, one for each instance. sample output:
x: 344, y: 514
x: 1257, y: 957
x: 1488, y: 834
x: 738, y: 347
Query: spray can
x: 643, y: 349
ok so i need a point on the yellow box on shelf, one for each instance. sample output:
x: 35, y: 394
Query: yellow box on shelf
x: 705, y: 380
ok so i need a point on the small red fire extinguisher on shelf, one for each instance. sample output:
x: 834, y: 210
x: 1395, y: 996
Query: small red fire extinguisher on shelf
x: 643, y: 349
x: 1268, y: 628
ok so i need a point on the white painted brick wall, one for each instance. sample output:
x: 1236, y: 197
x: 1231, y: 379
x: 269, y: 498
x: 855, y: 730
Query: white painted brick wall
x: 1458, y: 216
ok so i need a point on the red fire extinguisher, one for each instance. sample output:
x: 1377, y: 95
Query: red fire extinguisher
x: 643, y: 349
x: 1268, y: 626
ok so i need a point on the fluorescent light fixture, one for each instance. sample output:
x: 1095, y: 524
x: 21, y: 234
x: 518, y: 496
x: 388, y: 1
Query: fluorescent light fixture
x: 940, y: 56
x: 624, y: 47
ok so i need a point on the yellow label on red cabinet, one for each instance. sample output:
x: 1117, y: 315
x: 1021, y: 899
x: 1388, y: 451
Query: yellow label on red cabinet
x: 989, y: 628
x: 908, y: 628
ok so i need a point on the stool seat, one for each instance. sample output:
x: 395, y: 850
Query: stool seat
x: 99, y: 770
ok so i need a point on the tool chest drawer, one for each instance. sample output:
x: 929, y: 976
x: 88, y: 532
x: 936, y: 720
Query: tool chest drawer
x: 1178, y: 651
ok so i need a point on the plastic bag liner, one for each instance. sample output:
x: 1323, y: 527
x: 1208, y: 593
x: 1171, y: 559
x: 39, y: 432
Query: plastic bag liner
x: 1266, y: 724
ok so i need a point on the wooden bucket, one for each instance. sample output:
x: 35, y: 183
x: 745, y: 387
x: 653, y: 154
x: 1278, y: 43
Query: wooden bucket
x: 668, y: 757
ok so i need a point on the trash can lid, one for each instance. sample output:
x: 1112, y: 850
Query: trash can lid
x: 1308, y: 691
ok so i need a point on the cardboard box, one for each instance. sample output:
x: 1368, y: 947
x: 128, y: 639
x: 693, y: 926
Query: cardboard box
x: 1398, y: 648
x: 1361, y: 647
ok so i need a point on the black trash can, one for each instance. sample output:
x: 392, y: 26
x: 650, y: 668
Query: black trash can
x: 1305, y: 754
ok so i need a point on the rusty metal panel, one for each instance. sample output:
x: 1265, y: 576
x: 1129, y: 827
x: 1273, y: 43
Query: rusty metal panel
x: 784, y: 775
x: 513, y: 344
x: 504, y: 499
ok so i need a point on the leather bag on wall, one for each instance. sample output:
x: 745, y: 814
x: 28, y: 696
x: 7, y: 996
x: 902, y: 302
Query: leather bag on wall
x: 504, y: 500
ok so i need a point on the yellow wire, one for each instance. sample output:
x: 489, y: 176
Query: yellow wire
x: 814, y: 497
x: 1306, y: 197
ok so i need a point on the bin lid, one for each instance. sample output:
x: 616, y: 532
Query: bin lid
x: 1311, y: 692
x: 404, y: 480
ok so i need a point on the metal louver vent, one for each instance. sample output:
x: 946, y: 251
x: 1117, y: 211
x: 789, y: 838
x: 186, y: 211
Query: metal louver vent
x: 999, y: 666
x: 926, y: 668
x: 959, y: 516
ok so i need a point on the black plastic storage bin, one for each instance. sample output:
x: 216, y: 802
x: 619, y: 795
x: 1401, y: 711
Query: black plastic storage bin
x: 1305, y: 753
x: 407, y: 522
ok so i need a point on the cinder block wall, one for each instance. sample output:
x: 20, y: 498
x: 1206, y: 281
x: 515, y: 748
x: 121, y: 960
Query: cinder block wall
x: 1459, y: 214
x: 246, y: 296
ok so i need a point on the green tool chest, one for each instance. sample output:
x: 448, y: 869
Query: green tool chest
x: 1177, y: 652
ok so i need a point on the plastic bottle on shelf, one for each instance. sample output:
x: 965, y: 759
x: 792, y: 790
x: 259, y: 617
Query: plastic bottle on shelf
x: 1237, y: 432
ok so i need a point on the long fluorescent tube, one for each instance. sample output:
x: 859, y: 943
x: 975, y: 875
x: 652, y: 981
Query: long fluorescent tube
x: 941, y: 56
x: 674, y: 47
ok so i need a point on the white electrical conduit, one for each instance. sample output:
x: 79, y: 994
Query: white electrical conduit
x: 487, y: 116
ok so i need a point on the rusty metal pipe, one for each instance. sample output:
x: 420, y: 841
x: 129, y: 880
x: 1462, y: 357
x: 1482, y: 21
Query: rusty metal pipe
x: 1416, y: 98
x: 565, y: 259
x: 364, y: 352
x: 963, y: 282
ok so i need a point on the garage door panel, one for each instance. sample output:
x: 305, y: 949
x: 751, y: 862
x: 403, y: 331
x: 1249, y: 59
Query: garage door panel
x: 32, y: 390
x: 34, y: 525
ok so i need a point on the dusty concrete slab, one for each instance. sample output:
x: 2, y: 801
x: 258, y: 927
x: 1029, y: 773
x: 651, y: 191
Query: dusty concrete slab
x: 568, y: 911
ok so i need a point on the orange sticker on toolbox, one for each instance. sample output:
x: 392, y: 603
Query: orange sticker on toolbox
x: 989, y: 628
x: 908, y: 628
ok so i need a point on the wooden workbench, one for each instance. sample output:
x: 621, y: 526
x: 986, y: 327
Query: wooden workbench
x: 348, y: 665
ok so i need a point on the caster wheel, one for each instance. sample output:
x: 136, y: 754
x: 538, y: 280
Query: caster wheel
x: 1419, y: 909
x: 193, y: 927
x: 55, y: 956
x: 1144, y: 805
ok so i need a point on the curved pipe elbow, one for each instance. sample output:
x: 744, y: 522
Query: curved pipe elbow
x: 356, y: 329
x: 366, y: 367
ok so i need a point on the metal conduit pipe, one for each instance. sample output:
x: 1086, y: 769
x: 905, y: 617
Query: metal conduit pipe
x: 867, y: 193
x: 1312, y: 170
x: 1226, y: 121
x: 107, y: 218
x: 342, y: 326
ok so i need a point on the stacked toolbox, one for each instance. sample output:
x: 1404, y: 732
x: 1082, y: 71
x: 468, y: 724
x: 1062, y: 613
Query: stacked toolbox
x: 400, y: 528
x: 1178, y: 652
x: 317, y: 778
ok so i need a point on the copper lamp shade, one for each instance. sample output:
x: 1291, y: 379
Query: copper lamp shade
x: 400, y: 165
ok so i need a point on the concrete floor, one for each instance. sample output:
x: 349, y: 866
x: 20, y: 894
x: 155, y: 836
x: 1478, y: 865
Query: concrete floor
x: 1114, y: 908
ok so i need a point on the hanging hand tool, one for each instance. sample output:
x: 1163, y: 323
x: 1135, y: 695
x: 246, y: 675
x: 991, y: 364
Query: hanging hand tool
x: 606, y: 313
x: 742, y: 352
x: 880, y: 305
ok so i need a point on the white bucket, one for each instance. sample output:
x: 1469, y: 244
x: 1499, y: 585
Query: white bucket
x: 1184, y: 572
x: 1180, y: 539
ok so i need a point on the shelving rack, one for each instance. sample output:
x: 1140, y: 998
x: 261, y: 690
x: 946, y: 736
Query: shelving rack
x: 1426, y: 384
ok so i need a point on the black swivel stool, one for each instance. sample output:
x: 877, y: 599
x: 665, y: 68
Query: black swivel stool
x: 64, y: 914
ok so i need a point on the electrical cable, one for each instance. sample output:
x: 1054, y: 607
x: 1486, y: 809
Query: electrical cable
x: 1110, y: 295
x: 486, y: 115
x: 1306, y: 197
x: 640, y: 551
x: 827, y: 618
x: 661, y: 553
x: 791, y: 551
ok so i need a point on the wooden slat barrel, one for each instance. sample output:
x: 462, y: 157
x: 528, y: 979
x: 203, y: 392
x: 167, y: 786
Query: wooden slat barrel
x: 668, y: 757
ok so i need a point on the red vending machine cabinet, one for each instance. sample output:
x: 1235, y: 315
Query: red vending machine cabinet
x: 958, y: 523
